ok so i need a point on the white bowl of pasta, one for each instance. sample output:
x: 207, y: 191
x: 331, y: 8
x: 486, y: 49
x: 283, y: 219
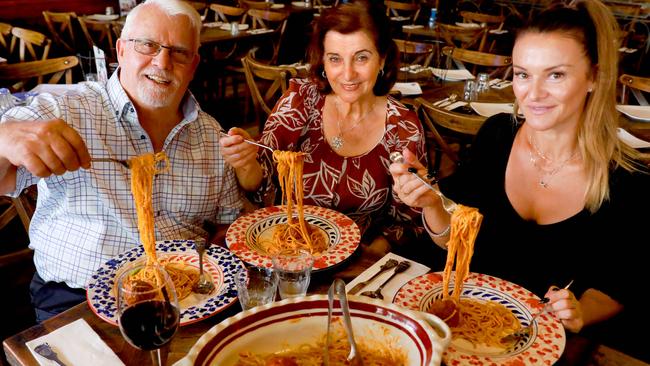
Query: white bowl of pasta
x: 293, y: 331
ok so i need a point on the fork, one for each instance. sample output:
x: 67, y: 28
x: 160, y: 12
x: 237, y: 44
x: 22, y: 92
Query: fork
x: 248, y: 141
x: 376, y: 294
x: 124, y: 163
x: 46, y: 351
x: 384, y: 267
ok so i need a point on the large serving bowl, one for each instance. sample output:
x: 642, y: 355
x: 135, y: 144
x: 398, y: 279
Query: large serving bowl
x: 289, y: 323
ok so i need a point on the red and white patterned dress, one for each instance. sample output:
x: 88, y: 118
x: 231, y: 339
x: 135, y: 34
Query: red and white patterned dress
x: 359, y: 186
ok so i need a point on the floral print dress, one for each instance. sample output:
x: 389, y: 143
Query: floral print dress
x: 359, y: 186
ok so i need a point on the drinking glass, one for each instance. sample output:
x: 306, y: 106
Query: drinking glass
x: 470, y: 93
x: 147, y: 307
x: 483, y: 83
x: 256, y: 286
x: 294, y: 271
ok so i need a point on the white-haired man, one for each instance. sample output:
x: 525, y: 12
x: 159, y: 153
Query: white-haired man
x: 86, y: 214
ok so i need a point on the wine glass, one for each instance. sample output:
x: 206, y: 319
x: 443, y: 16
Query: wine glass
x: 147, y: 308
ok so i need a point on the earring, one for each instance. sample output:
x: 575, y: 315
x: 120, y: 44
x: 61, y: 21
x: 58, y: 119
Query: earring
x: 381, y: 73
x: 590, y: 90
x: 323, y: 73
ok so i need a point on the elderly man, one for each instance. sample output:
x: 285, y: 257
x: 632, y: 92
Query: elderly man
x: 86, y: 214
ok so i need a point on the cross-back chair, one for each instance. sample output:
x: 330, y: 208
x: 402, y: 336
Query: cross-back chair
x: 255, y: 4
x: 491, y: 22
x: 449, y: 132
x: 495, y: 65
x: 227, y: 13
x: 101, y: 34
x: 61, y: 28
x: 5, y: 39
x: 636, y: 85
x: 35, y: 43
x: 266, y: 84
x: 467, y: 38
x: 21, y: 207
x: 32, y: 73
x: 412, y: 52
x: 201, y: 7
x: 397, y: 10
x: 275, y: 20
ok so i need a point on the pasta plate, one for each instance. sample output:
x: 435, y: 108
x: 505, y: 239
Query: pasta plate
x: 543, y: 346
x: 218, y: 263
x: 243, y: 235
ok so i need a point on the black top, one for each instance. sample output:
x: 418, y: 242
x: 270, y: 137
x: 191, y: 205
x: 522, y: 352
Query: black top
x: 601, y: 250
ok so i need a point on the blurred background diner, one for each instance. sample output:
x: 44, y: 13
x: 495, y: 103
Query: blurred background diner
x: 250, y: 49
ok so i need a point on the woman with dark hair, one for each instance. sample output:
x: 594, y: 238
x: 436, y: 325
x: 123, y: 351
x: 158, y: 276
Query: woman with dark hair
x: 558, y: 190
x: 344, y: 120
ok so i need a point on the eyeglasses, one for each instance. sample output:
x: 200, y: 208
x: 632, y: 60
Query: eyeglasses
x: 151, y: 48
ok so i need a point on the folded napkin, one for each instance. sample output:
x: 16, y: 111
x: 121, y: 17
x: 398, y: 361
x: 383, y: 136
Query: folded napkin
x: 468, y: 25
x: 498, y: 31
x: 75, y: 344
x: 490, y: 109
x: 412, y: 26
x: 212, y: 24
x: 455, y: 105
x: 399, y: 18
x: 2, y: 59
x: 627, y: 50
x: 412, y: 88
x: 499, y: 84
x: 260, y: 31
x: 632, y: 140
x: 390, y: 290
x: 452, y: 75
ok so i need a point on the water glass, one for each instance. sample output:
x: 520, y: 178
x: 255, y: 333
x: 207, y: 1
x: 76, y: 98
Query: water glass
x: 470, y: 93
x: 483, y: 84
x: 256, y: 286
x: 109, y: 10
x: 294, y: 272
x: 234, y: 28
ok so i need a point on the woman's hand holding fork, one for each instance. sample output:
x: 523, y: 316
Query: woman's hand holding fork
x: 242, y: 156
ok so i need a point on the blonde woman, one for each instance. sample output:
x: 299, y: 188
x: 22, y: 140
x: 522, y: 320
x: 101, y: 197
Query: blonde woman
x: 557, y: 188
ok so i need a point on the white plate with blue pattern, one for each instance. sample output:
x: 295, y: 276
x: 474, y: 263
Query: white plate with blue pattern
x: 219, y: 263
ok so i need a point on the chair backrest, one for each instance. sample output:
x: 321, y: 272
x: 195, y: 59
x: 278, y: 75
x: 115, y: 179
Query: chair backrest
x: 101, y: 34
x: 446, y: 128
x: 487, y: 20
x: 226, y: 13
x: 266, y: 84
x: 21, y: 207
x: 495, y: 65
x: 30, y: 41
x: 462, y: 37
x: 412, y: 52
x: 397, y: 10
x: 201, y: 7
x: 58, y: 68
x: 275, y: 20
x: 636, y: 84
x: 253, y: 4
x: 5, y: 38
x: 61, y: 29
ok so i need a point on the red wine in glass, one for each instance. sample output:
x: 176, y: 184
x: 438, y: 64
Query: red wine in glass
x: 149, y: 325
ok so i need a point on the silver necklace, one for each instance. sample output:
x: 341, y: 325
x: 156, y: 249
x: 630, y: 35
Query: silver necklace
x: 545, y: 175
x: 337, y: 142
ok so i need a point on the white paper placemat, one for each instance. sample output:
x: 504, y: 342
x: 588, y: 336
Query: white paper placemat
x: 76, y: 344
x: 389, y: 291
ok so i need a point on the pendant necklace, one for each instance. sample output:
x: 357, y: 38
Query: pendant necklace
x: 337, y: 142
x: 545, y: 174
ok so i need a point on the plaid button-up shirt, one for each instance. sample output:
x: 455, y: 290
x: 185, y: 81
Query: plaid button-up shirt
x: 86, y: 217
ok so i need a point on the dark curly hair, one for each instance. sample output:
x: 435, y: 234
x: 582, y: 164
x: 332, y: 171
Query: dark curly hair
x: 349, y: 18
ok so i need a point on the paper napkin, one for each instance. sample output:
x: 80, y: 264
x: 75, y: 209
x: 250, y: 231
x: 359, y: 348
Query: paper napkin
x: 212, y: 24
x: 455, y: 105
x: 412, y: 88
x: 390, y: 290
x: 412, y: 26
x: 632, y: 140
x: 76, y: 344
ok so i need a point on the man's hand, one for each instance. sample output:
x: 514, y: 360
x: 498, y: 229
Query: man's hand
x: 43, y: 147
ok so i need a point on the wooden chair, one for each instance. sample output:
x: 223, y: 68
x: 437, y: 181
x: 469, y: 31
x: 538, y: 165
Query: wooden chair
x: 412, y: 52
x: 467, y: 38
x: 5, y: 39
x: 59, y: 68
x: 253, y: 4
x: 398, y: 10
x: 61, y: 28
x: 449, y: 132
x: 201, y: 7
x: 495, y: 65
x: 271, y: 20
x: 491, y: 22
x: 228, y: 14
x: 637, y: 85
x: 101, y: 34
x: 36, y: 44
x: 266, y: 84
x: 21, y: 208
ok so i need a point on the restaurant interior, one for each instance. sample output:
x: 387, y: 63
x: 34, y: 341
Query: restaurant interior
x: 244, y: 70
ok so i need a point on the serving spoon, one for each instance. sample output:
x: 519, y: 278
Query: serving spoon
x: 338, y: 286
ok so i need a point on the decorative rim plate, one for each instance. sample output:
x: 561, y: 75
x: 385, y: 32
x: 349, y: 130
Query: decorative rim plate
x: 636, y: 112
x: 543, y: 347
x: 219, y: 264
x: 342, y: 231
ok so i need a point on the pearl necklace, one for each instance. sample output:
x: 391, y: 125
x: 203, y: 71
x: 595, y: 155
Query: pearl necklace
x: 546, y: 175
x: 337, y: 142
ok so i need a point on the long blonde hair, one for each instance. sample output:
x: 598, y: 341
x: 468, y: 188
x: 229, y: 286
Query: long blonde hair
x: 592, y: 25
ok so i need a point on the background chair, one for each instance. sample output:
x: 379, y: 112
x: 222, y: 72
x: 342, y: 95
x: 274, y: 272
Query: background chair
x: 100, y: 34
x: 450, y: 134
x: 402, y: 12
x: 457, y: 36
x: 61, y: 29
x: 490, y: 22
x: 253, y: 4
x: 412, y: 52
x: 35, y: 43
x: 637, y: 85
x: 266, y: 84
x: 228, y: 14
x: 32, y: 73
x: 270, y: 20
x: 5, y: 39
x: 495, y: 65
